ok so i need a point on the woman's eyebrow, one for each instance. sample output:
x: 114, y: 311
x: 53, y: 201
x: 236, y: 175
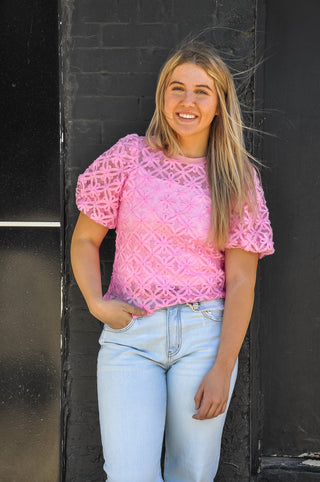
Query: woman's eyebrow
x: 204, y: 85
x: 176, y: 82
x: 198, y: 85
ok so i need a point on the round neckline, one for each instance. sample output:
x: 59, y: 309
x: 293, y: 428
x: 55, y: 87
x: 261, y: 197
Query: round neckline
x: 180, y: 157
x: 190, y: 160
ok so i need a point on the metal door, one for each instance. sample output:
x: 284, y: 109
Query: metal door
x: 30, y: 243
x: 286, y: 416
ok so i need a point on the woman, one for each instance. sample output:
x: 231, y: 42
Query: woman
x: 191, y: 223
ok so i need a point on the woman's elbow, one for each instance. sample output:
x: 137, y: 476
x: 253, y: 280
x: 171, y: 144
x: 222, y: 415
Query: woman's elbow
x: 242, y: 281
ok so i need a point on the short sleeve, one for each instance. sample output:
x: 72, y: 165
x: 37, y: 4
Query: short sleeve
x: 252, y: 231
x: 99, y: 188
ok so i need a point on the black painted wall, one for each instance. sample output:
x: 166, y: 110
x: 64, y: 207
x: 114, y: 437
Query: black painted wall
x: 111, y: 53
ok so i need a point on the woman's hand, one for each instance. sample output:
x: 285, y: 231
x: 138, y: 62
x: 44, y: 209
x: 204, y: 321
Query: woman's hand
x: 212, y: 395
x: 115, y: 313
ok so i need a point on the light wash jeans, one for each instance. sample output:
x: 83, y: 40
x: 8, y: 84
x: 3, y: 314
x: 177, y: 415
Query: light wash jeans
x: 148, y: 375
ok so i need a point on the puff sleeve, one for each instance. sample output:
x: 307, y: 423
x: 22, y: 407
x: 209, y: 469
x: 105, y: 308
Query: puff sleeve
x: 252, y: 231
x: 99, y: 188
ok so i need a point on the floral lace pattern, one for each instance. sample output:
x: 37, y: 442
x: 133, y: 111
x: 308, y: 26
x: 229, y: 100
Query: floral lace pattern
x: 161, y: 210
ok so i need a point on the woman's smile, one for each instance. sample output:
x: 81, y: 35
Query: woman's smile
x: 188, y: 117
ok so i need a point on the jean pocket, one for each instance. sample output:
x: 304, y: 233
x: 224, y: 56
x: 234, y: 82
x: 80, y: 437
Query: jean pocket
x: 120, y: 330
x: 213, y: 314
x: 211, y: 310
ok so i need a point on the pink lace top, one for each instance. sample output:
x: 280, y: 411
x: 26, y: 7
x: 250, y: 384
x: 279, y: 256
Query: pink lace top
x: 161, y: 209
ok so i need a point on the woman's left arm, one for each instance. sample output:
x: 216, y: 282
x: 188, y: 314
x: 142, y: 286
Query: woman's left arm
x: 240, y: 268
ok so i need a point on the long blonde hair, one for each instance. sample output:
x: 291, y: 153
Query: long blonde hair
x: 229, y: 169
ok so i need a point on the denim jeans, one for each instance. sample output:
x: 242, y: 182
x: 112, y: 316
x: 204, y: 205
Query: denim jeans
x: 148, y: 375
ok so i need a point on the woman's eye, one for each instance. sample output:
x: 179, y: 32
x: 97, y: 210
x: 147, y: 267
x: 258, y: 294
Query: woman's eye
x: 177, y: 88
x: 202, y: 92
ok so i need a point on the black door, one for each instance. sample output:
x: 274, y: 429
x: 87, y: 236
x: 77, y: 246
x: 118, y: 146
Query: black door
x: 29, y: 243
x: 286, y: 418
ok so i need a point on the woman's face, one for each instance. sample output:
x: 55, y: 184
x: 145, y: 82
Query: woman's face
x: 190, y: 105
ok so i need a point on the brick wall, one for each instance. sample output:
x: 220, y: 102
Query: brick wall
x: 111, y: 52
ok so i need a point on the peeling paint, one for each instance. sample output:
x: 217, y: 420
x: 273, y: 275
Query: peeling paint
x: 310, y: 455
x: 312, y: 462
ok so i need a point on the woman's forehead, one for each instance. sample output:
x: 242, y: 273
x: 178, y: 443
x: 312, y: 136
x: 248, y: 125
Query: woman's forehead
x: 191, y: 73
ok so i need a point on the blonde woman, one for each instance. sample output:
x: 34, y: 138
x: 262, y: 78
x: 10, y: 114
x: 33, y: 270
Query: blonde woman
x: 191, y: 223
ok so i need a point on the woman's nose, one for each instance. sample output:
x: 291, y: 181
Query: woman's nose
x: 188, y: 98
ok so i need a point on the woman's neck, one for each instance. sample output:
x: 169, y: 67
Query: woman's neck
x: 190, y: 148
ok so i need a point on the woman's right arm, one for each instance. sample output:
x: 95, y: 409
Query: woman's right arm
x: 85, y: 260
